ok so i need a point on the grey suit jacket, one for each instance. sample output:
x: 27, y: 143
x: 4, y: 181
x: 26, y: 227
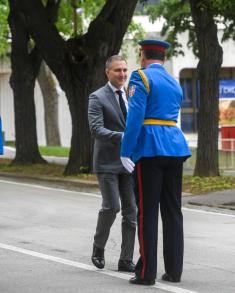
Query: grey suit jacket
x: 107, y: 124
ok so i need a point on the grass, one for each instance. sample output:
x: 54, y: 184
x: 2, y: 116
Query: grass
x: 201, y: 185
x: 9, y: 143
x: 226, y: 158
x: 47, y: 150
x: 191, y: 184
x: 45, y: 170
x: 54, y: 151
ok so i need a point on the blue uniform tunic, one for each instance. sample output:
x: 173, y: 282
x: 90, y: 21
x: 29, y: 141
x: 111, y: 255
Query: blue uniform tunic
x: 1, y: 138
x: 162, y: 103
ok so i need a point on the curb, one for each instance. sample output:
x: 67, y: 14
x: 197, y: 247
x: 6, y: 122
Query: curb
x: 77, y: 183
x: 225, y: 206
x: 93, y: 186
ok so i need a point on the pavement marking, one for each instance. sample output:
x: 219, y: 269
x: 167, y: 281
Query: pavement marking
x: 86, y: 267
x: 98, y: 196
x: 208, y: 212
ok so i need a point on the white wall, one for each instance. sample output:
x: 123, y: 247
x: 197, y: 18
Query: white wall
x: 7, y: 107
x: 174, y: 66
x: 65, y: 122
x: 7, y: 111
x: 190, y: 61
x: 181, y: 62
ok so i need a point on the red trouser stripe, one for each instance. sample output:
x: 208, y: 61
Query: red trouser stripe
x: 141, y: 219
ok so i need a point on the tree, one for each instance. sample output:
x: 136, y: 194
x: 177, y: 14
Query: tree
x: 50, y: 99
x: 4, y: 31
x: 51, y: 127
x: 210, y: 59
x: 78, y: 63
x: 25, y: 63
x: 200, y: 18
x: 25, y: 66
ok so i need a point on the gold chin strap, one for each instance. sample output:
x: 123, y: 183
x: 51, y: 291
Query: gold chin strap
x: 159, y: 122
x: 144, y: 79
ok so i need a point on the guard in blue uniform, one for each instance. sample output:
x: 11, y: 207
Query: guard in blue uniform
x: 155, y: 144
x: 1, y: 138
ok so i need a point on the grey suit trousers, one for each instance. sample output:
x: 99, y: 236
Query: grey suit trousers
x: 116, y: 189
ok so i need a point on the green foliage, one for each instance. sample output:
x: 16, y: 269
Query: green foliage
x: 65, y: 23
x: 224, y: 14
x: 91, y: 7
x: 226, y: 10
x: 178, y: 19
x: 86, y: 11
x: 4, y: 30
x: 65, y: 20
x: 135, y: 32
x: 177, y: 14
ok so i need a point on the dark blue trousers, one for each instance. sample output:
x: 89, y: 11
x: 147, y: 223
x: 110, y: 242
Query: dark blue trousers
x: 159, y: 181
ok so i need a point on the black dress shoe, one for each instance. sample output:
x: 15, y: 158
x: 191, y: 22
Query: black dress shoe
x: 126, y: 266
x: 168, y: 278
x: 137, y: 281
x: 98, y: 257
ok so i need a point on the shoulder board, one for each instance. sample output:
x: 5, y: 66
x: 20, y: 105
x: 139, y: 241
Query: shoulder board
x: 144, y: 79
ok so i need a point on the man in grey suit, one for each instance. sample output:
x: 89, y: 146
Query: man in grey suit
x: 106, y: 115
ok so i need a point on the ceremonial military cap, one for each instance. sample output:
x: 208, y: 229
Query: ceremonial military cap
x: 158, y: 45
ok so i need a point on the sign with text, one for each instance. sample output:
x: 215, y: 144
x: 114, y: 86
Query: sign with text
x: 227, y: 89
x: 227, y: 101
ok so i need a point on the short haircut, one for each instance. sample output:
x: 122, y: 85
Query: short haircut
x: 113, y: 58
x: 154, y: 54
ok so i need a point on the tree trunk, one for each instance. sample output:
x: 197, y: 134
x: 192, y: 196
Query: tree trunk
x: 50, y: 98
x: 79, y: 64
x: 80, y: 152
x: 25, y: 65
x: 25, y: 124
x: 210, y: 56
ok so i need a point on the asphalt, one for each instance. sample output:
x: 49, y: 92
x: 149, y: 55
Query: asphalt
x: 222, y: 200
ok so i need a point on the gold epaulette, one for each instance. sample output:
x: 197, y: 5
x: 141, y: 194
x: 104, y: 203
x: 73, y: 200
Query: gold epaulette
x: 144, y: 79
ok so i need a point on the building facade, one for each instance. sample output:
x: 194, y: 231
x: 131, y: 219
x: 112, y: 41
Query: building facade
x: 183, y: 68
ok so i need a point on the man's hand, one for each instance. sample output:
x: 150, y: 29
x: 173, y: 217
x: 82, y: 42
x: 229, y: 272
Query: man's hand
x: 128, y: 164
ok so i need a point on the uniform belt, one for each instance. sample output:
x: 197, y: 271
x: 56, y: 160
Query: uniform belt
x: 159, y: 122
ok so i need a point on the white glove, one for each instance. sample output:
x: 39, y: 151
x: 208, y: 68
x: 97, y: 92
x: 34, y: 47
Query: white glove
x: 128, y: 164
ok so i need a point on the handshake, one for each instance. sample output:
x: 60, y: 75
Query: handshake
x: 128, y: 164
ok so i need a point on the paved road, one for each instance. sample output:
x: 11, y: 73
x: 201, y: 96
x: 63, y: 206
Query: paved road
x: 46, y: 241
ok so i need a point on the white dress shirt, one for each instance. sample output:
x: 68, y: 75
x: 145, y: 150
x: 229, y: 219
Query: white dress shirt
x: 114, y: 89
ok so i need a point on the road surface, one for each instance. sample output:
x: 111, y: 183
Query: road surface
x: 46, y: 237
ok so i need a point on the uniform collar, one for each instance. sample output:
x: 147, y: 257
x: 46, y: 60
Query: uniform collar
x: 156, y: 65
